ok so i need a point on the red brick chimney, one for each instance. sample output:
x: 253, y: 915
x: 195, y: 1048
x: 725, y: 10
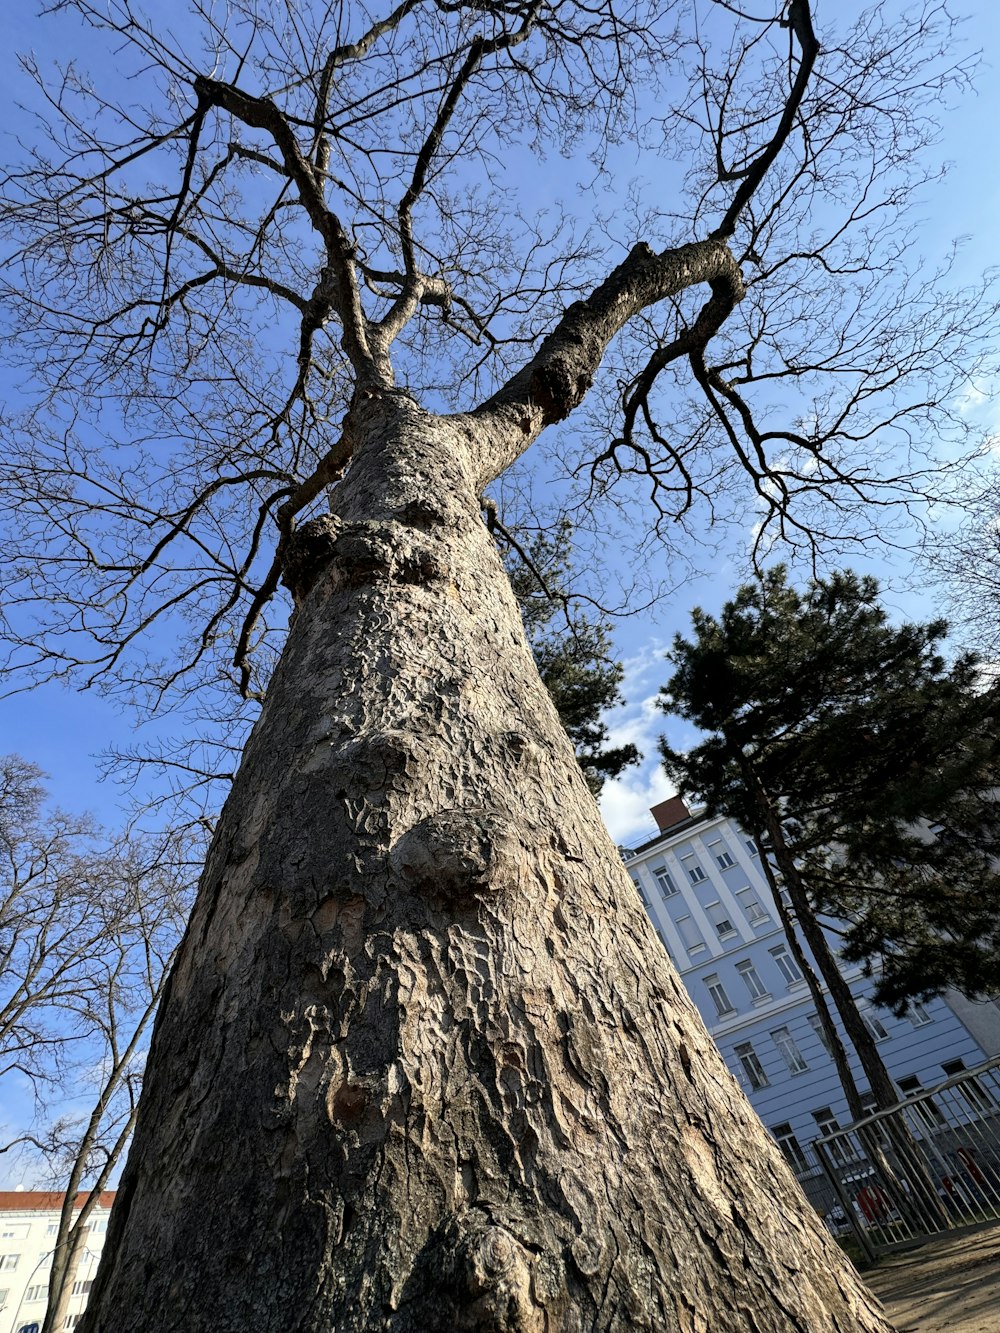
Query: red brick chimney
x: 670, y: 812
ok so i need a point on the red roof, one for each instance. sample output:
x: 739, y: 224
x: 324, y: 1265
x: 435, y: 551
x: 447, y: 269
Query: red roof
x: 46, y: 1201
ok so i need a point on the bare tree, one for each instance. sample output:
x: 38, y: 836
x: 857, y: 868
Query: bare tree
x: 965, y: 563
x: 421, y: 1063
x: 87, y: 931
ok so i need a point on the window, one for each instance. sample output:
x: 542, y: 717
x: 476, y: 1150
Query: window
x: 72, y: 1320
x: 927, y: 1109
x: 872, y: 1021
x: 841, y: 1152
x: 752, y: 1067
x: 723, y: 858
x: 826, y: 1121
x: 52, y: 1228
x: 719, y: 918
x: 751, y: 980
x: 693, y: 940
x: 752, y: 908
x: 972, y: 1090
x: 917, y: 1014
x: 815, y: 1022
x: 663, y: 878
x: 787, y: 965
x: 8, y: 1262
x: 752, y: 847
x: 4, y: 1293
x: 788, y: 1050
x: 37, y: 1293
x: 718, y: 993
x: 694, y: 870
x: 82, y: 1288
x: 790, y: 1147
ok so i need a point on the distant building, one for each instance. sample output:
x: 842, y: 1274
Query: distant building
x: 29, y: 1221
x: 701, y: 882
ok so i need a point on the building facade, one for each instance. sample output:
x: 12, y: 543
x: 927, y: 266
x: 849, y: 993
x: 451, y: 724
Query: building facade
x: 29, y: 1222
x: 701, y: 881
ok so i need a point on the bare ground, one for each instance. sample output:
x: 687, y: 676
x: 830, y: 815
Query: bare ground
x: 947, y: 1286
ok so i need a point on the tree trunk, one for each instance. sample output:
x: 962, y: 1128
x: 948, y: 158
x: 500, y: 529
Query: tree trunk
x: 882, y: 1086
x: 838, y: 1052
x: 422, y: 1064
x: 914, y: 1166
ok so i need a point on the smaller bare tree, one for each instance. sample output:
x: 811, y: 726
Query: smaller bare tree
x: 88, y: 926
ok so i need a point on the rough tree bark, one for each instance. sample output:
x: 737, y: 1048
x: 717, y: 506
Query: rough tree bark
x: 422, y: 1065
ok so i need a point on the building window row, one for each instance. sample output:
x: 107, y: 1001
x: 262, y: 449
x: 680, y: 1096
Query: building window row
x: 746, y: 968
x: 786, y: 1046
x: 842, y: 1152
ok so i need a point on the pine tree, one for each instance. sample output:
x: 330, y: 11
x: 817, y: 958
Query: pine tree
x: 877, y: 759
x: 571, y: 650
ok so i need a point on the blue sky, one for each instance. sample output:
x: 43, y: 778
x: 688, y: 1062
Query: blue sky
x: 64, y: 730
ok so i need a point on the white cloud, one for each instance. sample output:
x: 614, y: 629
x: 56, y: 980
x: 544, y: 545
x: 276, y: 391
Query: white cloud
x: 969, y: 400
x: 625, y: 800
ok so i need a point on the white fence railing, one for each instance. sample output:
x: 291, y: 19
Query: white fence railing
x: 928, y: 1165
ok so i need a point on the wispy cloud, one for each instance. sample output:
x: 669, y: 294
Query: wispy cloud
x: 625, y: 801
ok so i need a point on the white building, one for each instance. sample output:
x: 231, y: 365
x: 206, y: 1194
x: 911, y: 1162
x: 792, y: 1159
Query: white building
x: 29, y: 1221
x: 701, y: 881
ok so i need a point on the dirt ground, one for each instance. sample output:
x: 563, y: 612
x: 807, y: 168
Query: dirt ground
x: 947, y: 1286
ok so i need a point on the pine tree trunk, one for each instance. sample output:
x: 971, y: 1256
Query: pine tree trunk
x: 838, y: 1053
x: 915, y: 1168
x: 422, y: 1064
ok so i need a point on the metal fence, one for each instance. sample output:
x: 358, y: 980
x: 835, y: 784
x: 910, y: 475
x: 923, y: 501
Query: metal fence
x: 928, y: 1165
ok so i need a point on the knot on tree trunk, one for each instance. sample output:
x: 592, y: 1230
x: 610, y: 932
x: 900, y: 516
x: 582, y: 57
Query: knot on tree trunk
x: 459, y: 855
x: 498, y: 1281
x: 477, y: 1276
x: 558, y: 386
x: 362, y: 553
x: 307, y: 551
